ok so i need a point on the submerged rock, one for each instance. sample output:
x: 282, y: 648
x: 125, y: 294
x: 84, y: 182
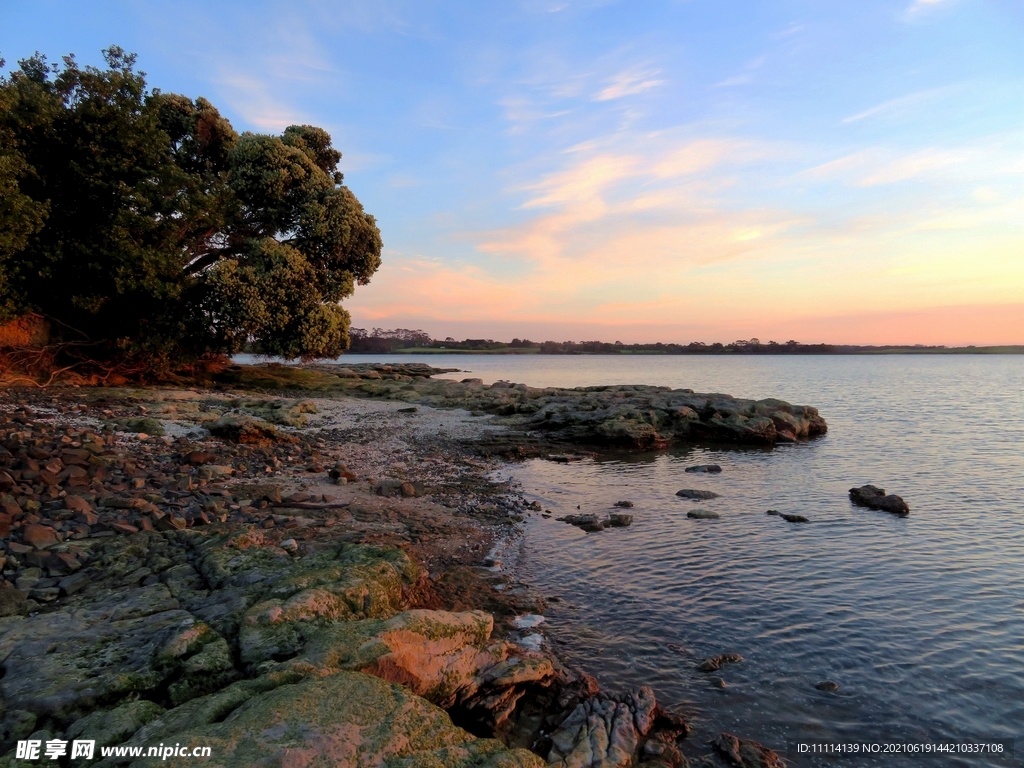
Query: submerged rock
x: 705, y: 468
x: 623, y: 504
x: 696, y: 495
x: 873, y: 497
x: 827, y: 685
x: 715, y: 663
x: 703, y: 514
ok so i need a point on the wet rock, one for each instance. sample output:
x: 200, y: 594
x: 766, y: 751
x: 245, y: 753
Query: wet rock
x: 620, y: 520
x: 773, y: 512
x: 715, y: 663
x: 703, y: 514
x: 745, y: 753
x: 604, y: 731
x: 872, y: 497
x: 827, y: 685
x: 696, y: 495
x: 588, y: 522
x: 793, y: 518
x: 705, y: 468
x: 623, y: 504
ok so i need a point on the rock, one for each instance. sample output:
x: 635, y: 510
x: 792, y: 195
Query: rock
x: 745, y: 753
x: 349, y: 719
x: 115, y: 726
x: 588, y: 522
x: 39, y: 536
x: 145, y: 425
x: 623, y: 504
x: 358, y: 583
x: 69, y: 585
x: 620, y: 520
x: 12, y: 602
x: 873, y: 497
x: 715, y: 663
x: 773, y: 512
x: 77, y: 504
x: 705, y: 468
x: 247, y: 430
x: 198, y: 458
x: 703, y: 514
x: 604, y: 731
x: 696, y: 495
x: 793, y: 518
x: 827, y: 685
x: 290, y: 545
x: 124, y: 528
x: 215, y: 471
x: 436, y: 654
x: 62, y: 564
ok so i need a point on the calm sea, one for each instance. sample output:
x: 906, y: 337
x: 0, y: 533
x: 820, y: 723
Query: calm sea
x: 920, y: 620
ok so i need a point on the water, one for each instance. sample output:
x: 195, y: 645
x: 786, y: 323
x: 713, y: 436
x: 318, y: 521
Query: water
x: 920, y: 620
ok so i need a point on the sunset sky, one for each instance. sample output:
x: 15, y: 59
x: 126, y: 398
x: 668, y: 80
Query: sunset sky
x: 819, y: 170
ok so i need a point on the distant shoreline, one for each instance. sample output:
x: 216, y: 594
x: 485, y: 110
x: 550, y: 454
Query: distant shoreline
x: 764, y: 351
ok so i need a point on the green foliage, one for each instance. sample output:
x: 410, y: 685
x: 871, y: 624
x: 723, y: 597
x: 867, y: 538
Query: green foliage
x: 143, y: 220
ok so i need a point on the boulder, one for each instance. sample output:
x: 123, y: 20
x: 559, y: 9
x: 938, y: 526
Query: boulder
x: 872, y: 497
x: 349, y: 719
x: 745, y: 753
x: 604, y: 731
x: 696, y: 495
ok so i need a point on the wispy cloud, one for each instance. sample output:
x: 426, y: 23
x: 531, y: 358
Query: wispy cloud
x: 628, y: 83
x: 903, y: 103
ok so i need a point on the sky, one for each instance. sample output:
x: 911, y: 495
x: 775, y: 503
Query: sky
x: 653, y: 170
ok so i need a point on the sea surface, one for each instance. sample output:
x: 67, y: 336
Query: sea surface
x: 920, y: 620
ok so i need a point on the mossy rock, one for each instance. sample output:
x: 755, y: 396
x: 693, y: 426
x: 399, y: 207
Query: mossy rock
x: 288, y: 413
x: 347, y: 719
x: 115, y: 726
x: 144, y: 424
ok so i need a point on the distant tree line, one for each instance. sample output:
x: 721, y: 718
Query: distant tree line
x: 380, y: 341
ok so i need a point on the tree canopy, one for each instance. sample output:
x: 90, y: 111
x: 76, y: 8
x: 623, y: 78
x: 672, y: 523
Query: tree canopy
x: 144, y: 221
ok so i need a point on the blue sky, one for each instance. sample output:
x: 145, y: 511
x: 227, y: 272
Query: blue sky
x: 712, y: 170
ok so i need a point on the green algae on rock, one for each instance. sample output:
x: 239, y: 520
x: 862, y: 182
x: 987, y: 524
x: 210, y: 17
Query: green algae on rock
x: 348, y: 719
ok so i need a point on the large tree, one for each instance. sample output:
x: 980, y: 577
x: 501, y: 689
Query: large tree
x: 142, y: 220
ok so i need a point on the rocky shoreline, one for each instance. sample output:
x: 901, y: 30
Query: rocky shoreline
x: 299, y: 580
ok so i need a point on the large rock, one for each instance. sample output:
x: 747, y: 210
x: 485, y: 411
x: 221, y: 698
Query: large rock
x: 354, y: 583
x: 872, y: 497
x: 604, y: 731
x: 348, y: 719
x: 65, y: 663
x: 746, y: 753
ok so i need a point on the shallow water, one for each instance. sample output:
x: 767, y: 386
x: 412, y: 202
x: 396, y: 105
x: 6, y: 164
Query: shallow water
x: 920, y: 620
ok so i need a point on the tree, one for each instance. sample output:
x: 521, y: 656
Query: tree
x: 146, y: 222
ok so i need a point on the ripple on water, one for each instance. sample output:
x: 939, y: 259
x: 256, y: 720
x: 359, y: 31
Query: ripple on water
x: 919, y: 619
